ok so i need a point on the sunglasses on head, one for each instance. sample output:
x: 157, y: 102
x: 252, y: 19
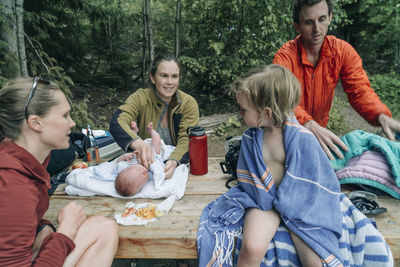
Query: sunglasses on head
x: 32, y: 92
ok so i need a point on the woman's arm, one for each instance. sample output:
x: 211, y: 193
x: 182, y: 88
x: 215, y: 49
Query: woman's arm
x: 120, y: 124
x: 19, y: 205
x: 189, y: 112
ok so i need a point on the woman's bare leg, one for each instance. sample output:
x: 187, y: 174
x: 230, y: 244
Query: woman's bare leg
x: 96, y: 243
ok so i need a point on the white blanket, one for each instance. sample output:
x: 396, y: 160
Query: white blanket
x: 99, y: 180
x: 79, y: 184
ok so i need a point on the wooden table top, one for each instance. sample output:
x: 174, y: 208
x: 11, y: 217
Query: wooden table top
x: 171, y: 237
x: 174, y: 235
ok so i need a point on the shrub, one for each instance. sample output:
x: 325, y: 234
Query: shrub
x: 232, y: 127
x: 387, y: 86
x: 336, y: 122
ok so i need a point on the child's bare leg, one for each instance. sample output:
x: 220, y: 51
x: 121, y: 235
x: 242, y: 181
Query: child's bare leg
x: 307, y: 256
x: 96, y: 243
x: 155, y: 138
x: 134, y: 127
x: 258, y: 230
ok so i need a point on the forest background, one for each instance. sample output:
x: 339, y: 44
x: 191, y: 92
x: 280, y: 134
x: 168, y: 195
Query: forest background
x: 99, y: 51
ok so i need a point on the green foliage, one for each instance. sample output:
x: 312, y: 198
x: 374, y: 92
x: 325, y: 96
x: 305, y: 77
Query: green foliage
x: 99, y: 43
x: 89, y: 39
x: 81, y: 116
x: 375, y: 32
x: 232, y: 127
x: 340, y: 16
x: 336, y: 119
x: 8, y: 64
x: 227, y: 39
x: 387, y: 86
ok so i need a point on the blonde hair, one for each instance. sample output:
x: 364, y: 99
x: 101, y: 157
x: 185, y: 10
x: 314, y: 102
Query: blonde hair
x: 13, y: 99
x: 270, y: 86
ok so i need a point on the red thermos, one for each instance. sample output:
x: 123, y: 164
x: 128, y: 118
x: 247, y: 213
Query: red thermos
x: 198, y: 155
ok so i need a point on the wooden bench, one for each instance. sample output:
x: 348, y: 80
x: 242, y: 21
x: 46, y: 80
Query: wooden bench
x: 174, y: 236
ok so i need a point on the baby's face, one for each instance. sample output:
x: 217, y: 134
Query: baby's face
x: 139, y: 171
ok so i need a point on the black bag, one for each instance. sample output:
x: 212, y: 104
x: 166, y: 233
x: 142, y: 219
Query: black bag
x: 61, y: 159
x: 231, y: 158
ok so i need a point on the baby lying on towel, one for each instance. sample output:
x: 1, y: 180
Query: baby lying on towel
x: 131, y: 175
x: 125, y: 177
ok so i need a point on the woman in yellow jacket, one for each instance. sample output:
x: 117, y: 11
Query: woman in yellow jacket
x: 171, y: 110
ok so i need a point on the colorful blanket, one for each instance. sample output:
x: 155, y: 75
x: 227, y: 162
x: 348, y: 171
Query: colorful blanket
x: 371, y: 160
x: 308, y: 200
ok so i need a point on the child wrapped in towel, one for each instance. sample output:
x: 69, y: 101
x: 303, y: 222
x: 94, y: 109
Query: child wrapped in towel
x: 287, y: 209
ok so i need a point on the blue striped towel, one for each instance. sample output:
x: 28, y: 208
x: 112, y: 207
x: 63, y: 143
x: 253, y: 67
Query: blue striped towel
x: 308, y: 200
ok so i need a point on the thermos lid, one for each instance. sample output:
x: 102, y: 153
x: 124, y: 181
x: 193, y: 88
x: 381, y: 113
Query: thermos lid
x: 195, y: 131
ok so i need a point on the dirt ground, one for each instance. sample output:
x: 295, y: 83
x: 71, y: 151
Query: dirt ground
x: 352, y: 119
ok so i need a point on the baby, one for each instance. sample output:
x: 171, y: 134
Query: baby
x: 131, y: 175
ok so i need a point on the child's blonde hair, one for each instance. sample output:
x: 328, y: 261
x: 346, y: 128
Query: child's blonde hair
x: 270, y: 86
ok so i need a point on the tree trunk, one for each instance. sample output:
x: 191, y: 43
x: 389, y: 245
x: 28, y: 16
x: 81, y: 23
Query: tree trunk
x: 149, y: 30
x: 77, y: 34
x: 144, y: 44
x: 177, y: 27
x: 397, y: 38
x: 8, y: 33
x: 109, y: 36
x: 19, y: 12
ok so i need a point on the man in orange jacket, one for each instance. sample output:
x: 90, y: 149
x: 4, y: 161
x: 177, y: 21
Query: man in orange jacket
x: 318, y: 61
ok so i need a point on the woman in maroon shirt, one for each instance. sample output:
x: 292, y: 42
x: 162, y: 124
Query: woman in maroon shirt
x: 34, y: 119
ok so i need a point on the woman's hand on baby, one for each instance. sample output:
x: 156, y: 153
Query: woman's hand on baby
x: 70, y: 219
x: 143, y: 152
x: 170, y: 167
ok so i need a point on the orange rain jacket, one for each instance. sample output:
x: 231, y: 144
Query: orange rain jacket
x: 338, y: 59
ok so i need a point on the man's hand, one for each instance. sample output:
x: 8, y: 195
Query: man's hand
x: 170, y: 167
x: 389, y: 126
x: 144, y: 154
x: 328, y: 140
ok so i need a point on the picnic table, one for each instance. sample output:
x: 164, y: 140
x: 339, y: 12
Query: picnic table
x: 174, y: 235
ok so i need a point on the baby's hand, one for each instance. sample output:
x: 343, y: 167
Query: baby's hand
x: 131, y: 156
x: 126, y: 157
